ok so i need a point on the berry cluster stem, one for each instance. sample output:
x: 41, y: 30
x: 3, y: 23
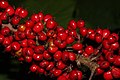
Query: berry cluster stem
x: 87, y: 62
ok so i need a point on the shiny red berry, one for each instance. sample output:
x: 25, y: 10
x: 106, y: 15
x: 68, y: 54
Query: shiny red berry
x: 83, y: 31
x: 23, y: 13
x: 5, y: 31
x: 89, y: 50
x: 38, y: 27
x: 72, y: 56
x: 15, y: 20
x: 115, y: 72
x: 17, y: 11
x: 57, y: 72
x: 47, y: 17
x: 73, y: 75
x: 80, y: 23
x: 108, y: 75
x: 77, y: 46
x: 41, y: 16
x: 33, y: 68
x: 117, y: 61
x: 72, y: 24
x: 15, y: 46
x: 10, y: 10
x: 106, y: 33
x: 51, y: 24
x: 35, y: 17
x: 4, y: 4
x: 62, y: 78
x: 1, y: 38
x: 37, y: 57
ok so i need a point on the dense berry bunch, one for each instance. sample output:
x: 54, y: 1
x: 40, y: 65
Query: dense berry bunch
x: 57, y: 52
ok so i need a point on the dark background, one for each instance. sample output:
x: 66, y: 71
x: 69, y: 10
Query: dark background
x: 96, y: 13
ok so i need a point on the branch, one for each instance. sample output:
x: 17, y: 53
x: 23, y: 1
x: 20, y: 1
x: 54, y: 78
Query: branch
x: 87, y: 62
x: 9, y: 26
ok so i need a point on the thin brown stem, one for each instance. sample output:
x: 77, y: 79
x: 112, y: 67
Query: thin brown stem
x: 9, y: 26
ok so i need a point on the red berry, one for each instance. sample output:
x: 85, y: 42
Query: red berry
x: 92, y: 36
x: 33, y: 68
x: 3, y: 16
x: 77, y: 46
x: 35, y: 17
x: 4, y: 4
x: 83, y: 31
x: 72, y: 33
x: 47, y: 17
x: 44, y: 63
x: 40, y: 70
x: 42, y: 36
x: 89, y: 50
x: 57, y: 72
x: 72, y: 24
x: 98, y: 38
x: 10, y: 10
x: 65, y: 57
x: 116, y: 36
x: 46, y: 55
x: 114, y: 46
x: 6, y: 41
x: 106, y: 33
x: 28, y: 59
x: 29, y: 51
x: 29, y: 23
x: 31, y: 43
x: 8, y: 48
x: 99, y: 31
x: 58, y: 55
x: 69, y: 40
x: 73, y: 75
x: 62, y: 44
x: 21, y: 27
x: 17, y: 11
x: 38, y: 27
x: 15, y: 20
x: 37, y: 57
x: 116, y: 72
x: 60, y: 29
x: 41, y: 16
x: 51, y: 24
x: 15, y: 46
x: 1, y: 38
x: 39, y: 49
x: 108, y: 75
x: 5, y: 31
x: 90, y: 31
x: 111, y: 39
x: 72, y: 56
x: 79, y: 75
x: 99, y: 71
x: 104, y: 64
x: 52, y: 49
x: 62, y: 35
x: 60, y: 65
x: 50, y: 66
x: 117, y: 61
x: 62, y: 78
x: 110, y: 57
x: 23, y: 13
x: 106, y: 44
x: 80, y: 23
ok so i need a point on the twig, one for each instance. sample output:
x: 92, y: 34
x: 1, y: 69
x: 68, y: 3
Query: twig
x: 9, y: 26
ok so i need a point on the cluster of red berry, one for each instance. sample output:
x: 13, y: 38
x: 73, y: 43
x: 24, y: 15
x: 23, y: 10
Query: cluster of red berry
x: 58, y: 52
